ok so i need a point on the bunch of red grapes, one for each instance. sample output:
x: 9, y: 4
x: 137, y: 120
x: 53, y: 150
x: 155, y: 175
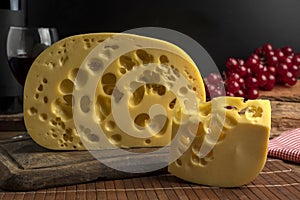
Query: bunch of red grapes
x: 264, y: 68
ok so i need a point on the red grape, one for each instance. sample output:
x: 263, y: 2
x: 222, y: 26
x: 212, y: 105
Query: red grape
x: 262, y: 80
x: 251, y: 82
x: 295, y: 70
x: 296, y: 60
x: 272, y: 60
x: 241, y: 70
x: 282, y: 68
x: 251, y: 62
x: 252, y: 93
x: 239, y: 93
x: 229, y: 94
x: 287, y: 51
x: 258, y: 51
x: 232, y: 64
x: 232, y: 86
x: 265, y: 67
x: 267, y: 48
x: 271, y: 82
x: 233, y: 76
x: 280, y: 55
x: 292, y: 81
x: 272, y: 70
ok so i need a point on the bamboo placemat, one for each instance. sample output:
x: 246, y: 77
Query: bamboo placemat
x: 277, y: 181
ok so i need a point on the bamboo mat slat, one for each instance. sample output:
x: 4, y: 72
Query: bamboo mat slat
x: 276, y: 181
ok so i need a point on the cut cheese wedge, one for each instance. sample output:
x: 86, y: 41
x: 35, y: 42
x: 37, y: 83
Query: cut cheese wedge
x: 50, y: 83
x: 230, y: 147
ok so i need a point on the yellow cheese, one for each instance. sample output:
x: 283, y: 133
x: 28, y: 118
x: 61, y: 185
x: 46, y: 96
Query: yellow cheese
x: 50, y: 83
x: 230, y: 147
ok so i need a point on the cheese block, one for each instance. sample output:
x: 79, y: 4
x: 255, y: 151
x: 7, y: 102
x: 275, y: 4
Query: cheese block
x: 73, y: 62
x: 230, y: 145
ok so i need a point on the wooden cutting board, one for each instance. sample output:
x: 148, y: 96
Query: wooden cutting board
x: 26, y: 166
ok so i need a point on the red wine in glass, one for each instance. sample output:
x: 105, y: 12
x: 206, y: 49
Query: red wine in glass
x: 24, y: 44
x: 20, y: 66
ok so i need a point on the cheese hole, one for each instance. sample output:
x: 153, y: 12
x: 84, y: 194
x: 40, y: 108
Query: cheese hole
x: 161, y: 90
x: 68, y: 99
x: 137, y: 96
x: 204, y: 109
x: 36, y: 96
x: 62, y: 60
x: 90, y: 136
x: 163, y: 59
x: 230, y: 122
x: 54, y: 135
x: 147, y: 141
x: 178, y: 162
x: 183, y: 91
x: 108, y: 78
x: 110, y: 126
x: 203, y: 161
x: 85, y: 104
x: 142, y: 120
x: 62, y: 108
x: 40, y: 88
x: 195, y: 159
x: 126, y: 62
x: 66, y: 86
x: 114, y: 47
x: 45, y: 81
x: 45, y: 100
x: 95, y: 64
x: 50, y: 65
x: 172, y: 104
x: 43, y: 117
x: 104, y: 105
x: 122, y: 70
x: 108, y: 89
x: 196, y: 148
x: 185, y: 140
x: 32, y: 111
x: 67, y: 136
x: 53, y: 122
x: 144, y: 56
x: 209, y: 156
x: 81, y: 78
x: 93, y: 137
x: 115, y: 139
x: 158, y: 89
x: 61, y: 125
x: 73, y: 74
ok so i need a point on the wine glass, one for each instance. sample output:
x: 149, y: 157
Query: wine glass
x: 23, y: 45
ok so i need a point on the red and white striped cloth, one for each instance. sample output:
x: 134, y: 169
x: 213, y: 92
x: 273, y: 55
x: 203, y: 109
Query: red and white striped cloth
x: 286, y: 146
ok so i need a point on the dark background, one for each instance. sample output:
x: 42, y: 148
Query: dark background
x: 231, y: 28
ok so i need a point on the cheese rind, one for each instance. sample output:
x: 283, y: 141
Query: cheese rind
x: 240, y: 151
x: 48, y: 92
